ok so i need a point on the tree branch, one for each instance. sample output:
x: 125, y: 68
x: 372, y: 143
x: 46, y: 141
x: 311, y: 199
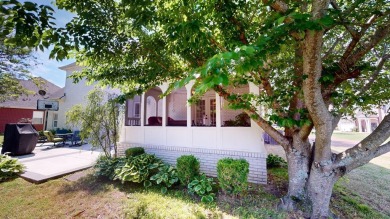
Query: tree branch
x: 374, y: 76
x: 312, y: 68
x: 367, y: 148
x: 241, y: 29
x: 331, y: 49
x: 214, y: 42
x: 349, y: 28
x: 279, y: 6
x: 380, y: 33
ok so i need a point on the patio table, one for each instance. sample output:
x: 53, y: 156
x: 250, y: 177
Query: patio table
x: 65, y: 136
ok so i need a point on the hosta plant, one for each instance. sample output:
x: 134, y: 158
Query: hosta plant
x: 106, y: 166
x: 202, y: 186
x: 9, y: 168
x: 138, y: 169
x: 166, y: 176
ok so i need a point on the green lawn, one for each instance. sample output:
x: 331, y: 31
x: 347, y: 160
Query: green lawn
x: 92, y: 197
x: 351, y: 136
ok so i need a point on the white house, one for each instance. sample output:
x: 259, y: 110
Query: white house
x: 169, y: 127
x: 73, y: 94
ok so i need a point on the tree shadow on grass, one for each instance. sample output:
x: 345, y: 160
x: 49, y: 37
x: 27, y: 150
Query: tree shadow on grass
x: 368, y: 185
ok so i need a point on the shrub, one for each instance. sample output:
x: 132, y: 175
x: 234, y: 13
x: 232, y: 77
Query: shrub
x: 166, y: 176
x: 132, y: 152
x: 138, y: 168
x: 233, y: 175
x: 9, y: 167
x: 187, y: 168
x: 202, y: 186
x: 106, y: 166
x: 275, y: 161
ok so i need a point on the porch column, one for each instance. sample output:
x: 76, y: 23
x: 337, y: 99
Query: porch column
x: 359, y: 125
x: 164, y: 111
x: 368, y: 124
x: 164, y: 88
x: 143, y: 100
x: 217, y: 110
x: 189, y: 114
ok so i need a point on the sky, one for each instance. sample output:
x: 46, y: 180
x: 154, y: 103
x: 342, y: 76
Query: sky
x: 49, y: 68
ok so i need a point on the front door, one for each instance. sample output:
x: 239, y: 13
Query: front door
x: 205, y: 114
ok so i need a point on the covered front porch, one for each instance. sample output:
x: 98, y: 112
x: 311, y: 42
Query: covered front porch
x: 155, y: 120
x: 170, y: 127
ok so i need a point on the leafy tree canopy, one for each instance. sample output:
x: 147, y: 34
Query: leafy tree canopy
x: 313, y: 61
x: 14, y: 64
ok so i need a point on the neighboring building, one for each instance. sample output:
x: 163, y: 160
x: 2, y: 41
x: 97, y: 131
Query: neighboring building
x: 369, y: 122
x: 364, y: 122
x: 73, y: 93
x: 169, y: 127
x: 26, y: 106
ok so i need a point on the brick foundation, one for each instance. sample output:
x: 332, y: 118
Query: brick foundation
x: 208, y: 158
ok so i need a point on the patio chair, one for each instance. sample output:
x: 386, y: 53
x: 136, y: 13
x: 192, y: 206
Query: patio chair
x: 76, y: 139
x: 50, y: 138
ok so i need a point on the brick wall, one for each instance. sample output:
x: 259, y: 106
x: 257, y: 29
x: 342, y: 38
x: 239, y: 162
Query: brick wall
x: 208, y: 158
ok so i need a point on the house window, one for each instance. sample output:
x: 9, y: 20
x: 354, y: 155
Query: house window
x: 204, y: 111
x: 137, y: 110
x: 133, y: 111
x: 37, y: 117
x: 55, y: 120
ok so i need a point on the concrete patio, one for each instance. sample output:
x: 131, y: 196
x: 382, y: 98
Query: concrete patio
x: 46, y: 163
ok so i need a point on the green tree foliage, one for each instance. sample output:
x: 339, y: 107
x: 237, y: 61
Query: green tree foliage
x: 14, y: 64
x: 98, y: 121
x: 314, y: 62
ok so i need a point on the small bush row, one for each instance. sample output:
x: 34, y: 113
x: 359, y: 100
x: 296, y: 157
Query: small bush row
x: 275, y: 161
x: 140, y: 167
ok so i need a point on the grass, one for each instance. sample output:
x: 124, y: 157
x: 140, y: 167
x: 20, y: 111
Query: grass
x: 351, y: 136
x: 93, y: 197
x: 347, y: 204
x: 1, y: 139
x: 371, y: 184
x: 88, y: 197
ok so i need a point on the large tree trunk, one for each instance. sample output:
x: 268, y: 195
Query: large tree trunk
x: 319, y: 191
x: 298, y: 175
x: 298, y: 159
x: 310, y: 184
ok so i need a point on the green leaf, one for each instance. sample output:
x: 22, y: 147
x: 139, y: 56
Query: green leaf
x: 207, y: 199
x: 147, y: 184
x: 281, y: 20
x: 198, y: 188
